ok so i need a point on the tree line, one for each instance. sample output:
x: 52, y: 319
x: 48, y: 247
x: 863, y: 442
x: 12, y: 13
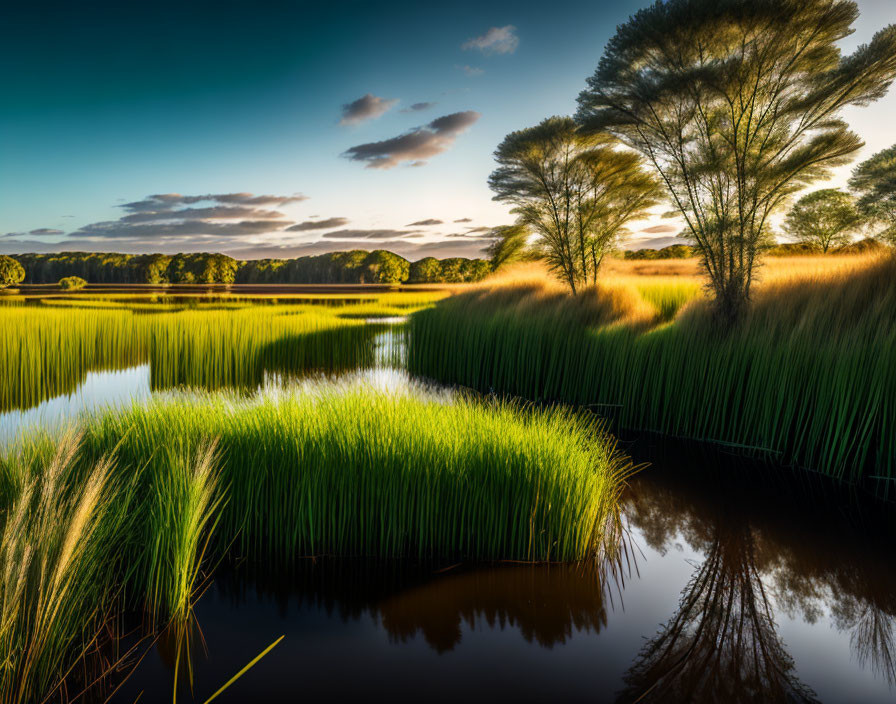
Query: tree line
x: 724, y: 109
x: 353, y: 267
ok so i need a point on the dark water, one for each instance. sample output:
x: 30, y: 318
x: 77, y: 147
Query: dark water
x: 732, y: 589
x: 718, y: 603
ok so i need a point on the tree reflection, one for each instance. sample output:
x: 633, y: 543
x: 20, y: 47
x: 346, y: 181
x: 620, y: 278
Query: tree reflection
x: 721, y: 644
x: 760, y: 559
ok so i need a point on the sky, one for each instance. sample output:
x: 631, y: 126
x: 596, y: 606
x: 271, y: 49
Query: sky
x: 277, y: 129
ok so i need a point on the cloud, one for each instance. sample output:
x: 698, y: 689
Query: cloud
x: 418, y: 107
x: 368, y: 234
x: 216, y: 212
x: 317, y: 224
x: 168, y: 201
x: 653, y: 242
x: 464, y: 220
x: 471, y: 70
x: 45, y: 231
x: 660, y: 229
x: 479, y: 229
x: 430, y: 221
x: 416, y: 146
x: 118, y: 230
x: 367, y: 107
x: 497, y: 40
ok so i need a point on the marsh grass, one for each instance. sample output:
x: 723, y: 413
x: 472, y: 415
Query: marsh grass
x: 808, y: 378
x: 46, y: 351
x: 344, y: 471
x: 57, y: 535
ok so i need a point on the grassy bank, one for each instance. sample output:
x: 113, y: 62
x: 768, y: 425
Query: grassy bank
x: 809, y: 377
x: 130, y: 512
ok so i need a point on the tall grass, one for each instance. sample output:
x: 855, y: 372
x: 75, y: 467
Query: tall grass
x: 46, y: 351
x: 353, y: 472
x: 344, y: 472
x: 56, y: 537
x: 809, y: 377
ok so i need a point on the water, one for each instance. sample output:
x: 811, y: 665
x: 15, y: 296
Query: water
x: 729, y: 593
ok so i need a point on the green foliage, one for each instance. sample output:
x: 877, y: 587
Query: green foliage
x: 382, y: 267
x: 72, y: 283
x: 825, y: 219
x: 874, y: 181
x: 807, y: 377
x: 511, y: 244
x: 352, y: 267
x: 737, y: 104
x: 425, y: 271
x: 675, y: 251
x: 574, y: 191
x: 11, y: 272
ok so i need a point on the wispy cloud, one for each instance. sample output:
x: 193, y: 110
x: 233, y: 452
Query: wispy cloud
x: 416, y: 146
x: 471, y: 70
x: 367, y: 107
x: 318, y: 224
x: 430, y: 221
x: 419, y: 107
x: 497, y: 40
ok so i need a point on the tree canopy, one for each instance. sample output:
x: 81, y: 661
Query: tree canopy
x: 737, y: 104
x: 824, y: 219
x: 351, y: 267
x: 574, y: 191
x: 874, y: 181
x: 11, y: 272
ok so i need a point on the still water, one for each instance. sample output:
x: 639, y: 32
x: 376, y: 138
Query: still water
x: 726, y: 593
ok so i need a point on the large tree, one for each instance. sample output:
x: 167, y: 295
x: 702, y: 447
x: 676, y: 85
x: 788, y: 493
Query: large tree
x: 11, y: 272
x: 737, y: 104
x: 574, y: 191
x: 824, y: 219
x: 874, y: 181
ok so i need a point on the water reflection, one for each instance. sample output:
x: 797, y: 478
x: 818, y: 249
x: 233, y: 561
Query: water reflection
x: 761, y: 562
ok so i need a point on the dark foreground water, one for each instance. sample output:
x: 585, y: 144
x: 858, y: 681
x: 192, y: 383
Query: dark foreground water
x: 718, y: 604
x: 730, y: 591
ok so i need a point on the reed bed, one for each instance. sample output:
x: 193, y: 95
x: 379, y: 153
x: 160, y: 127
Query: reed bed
x: 47, y: 350
x: 808, y: 378
x: 143, y: 503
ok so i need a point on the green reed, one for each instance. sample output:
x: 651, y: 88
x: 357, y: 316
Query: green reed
x: 809, y: 377
x: 342, y: 471
x: 47, y: 350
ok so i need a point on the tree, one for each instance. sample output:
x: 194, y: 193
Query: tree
x: 737, y: 104
x: 384, y: 267
x: 72, y: 283
x: 575, y: 191
x: 874, y: 181
x: 510, y: 244
x: 824, y: 219
x: 425, y: 271
x: 11, y: 272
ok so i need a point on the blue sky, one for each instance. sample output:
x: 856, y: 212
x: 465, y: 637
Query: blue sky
x: 107, y: 104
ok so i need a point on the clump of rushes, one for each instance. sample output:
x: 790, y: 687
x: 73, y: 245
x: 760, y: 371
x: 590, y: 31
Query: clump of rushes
x: 57, y: 537
x: 353, y: 472
x: 183, y: 502
x: 808, y: 376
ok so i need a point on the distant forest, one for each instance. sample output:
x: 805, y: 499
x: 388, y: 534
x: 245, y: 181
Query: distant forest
x: 353, y: 267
